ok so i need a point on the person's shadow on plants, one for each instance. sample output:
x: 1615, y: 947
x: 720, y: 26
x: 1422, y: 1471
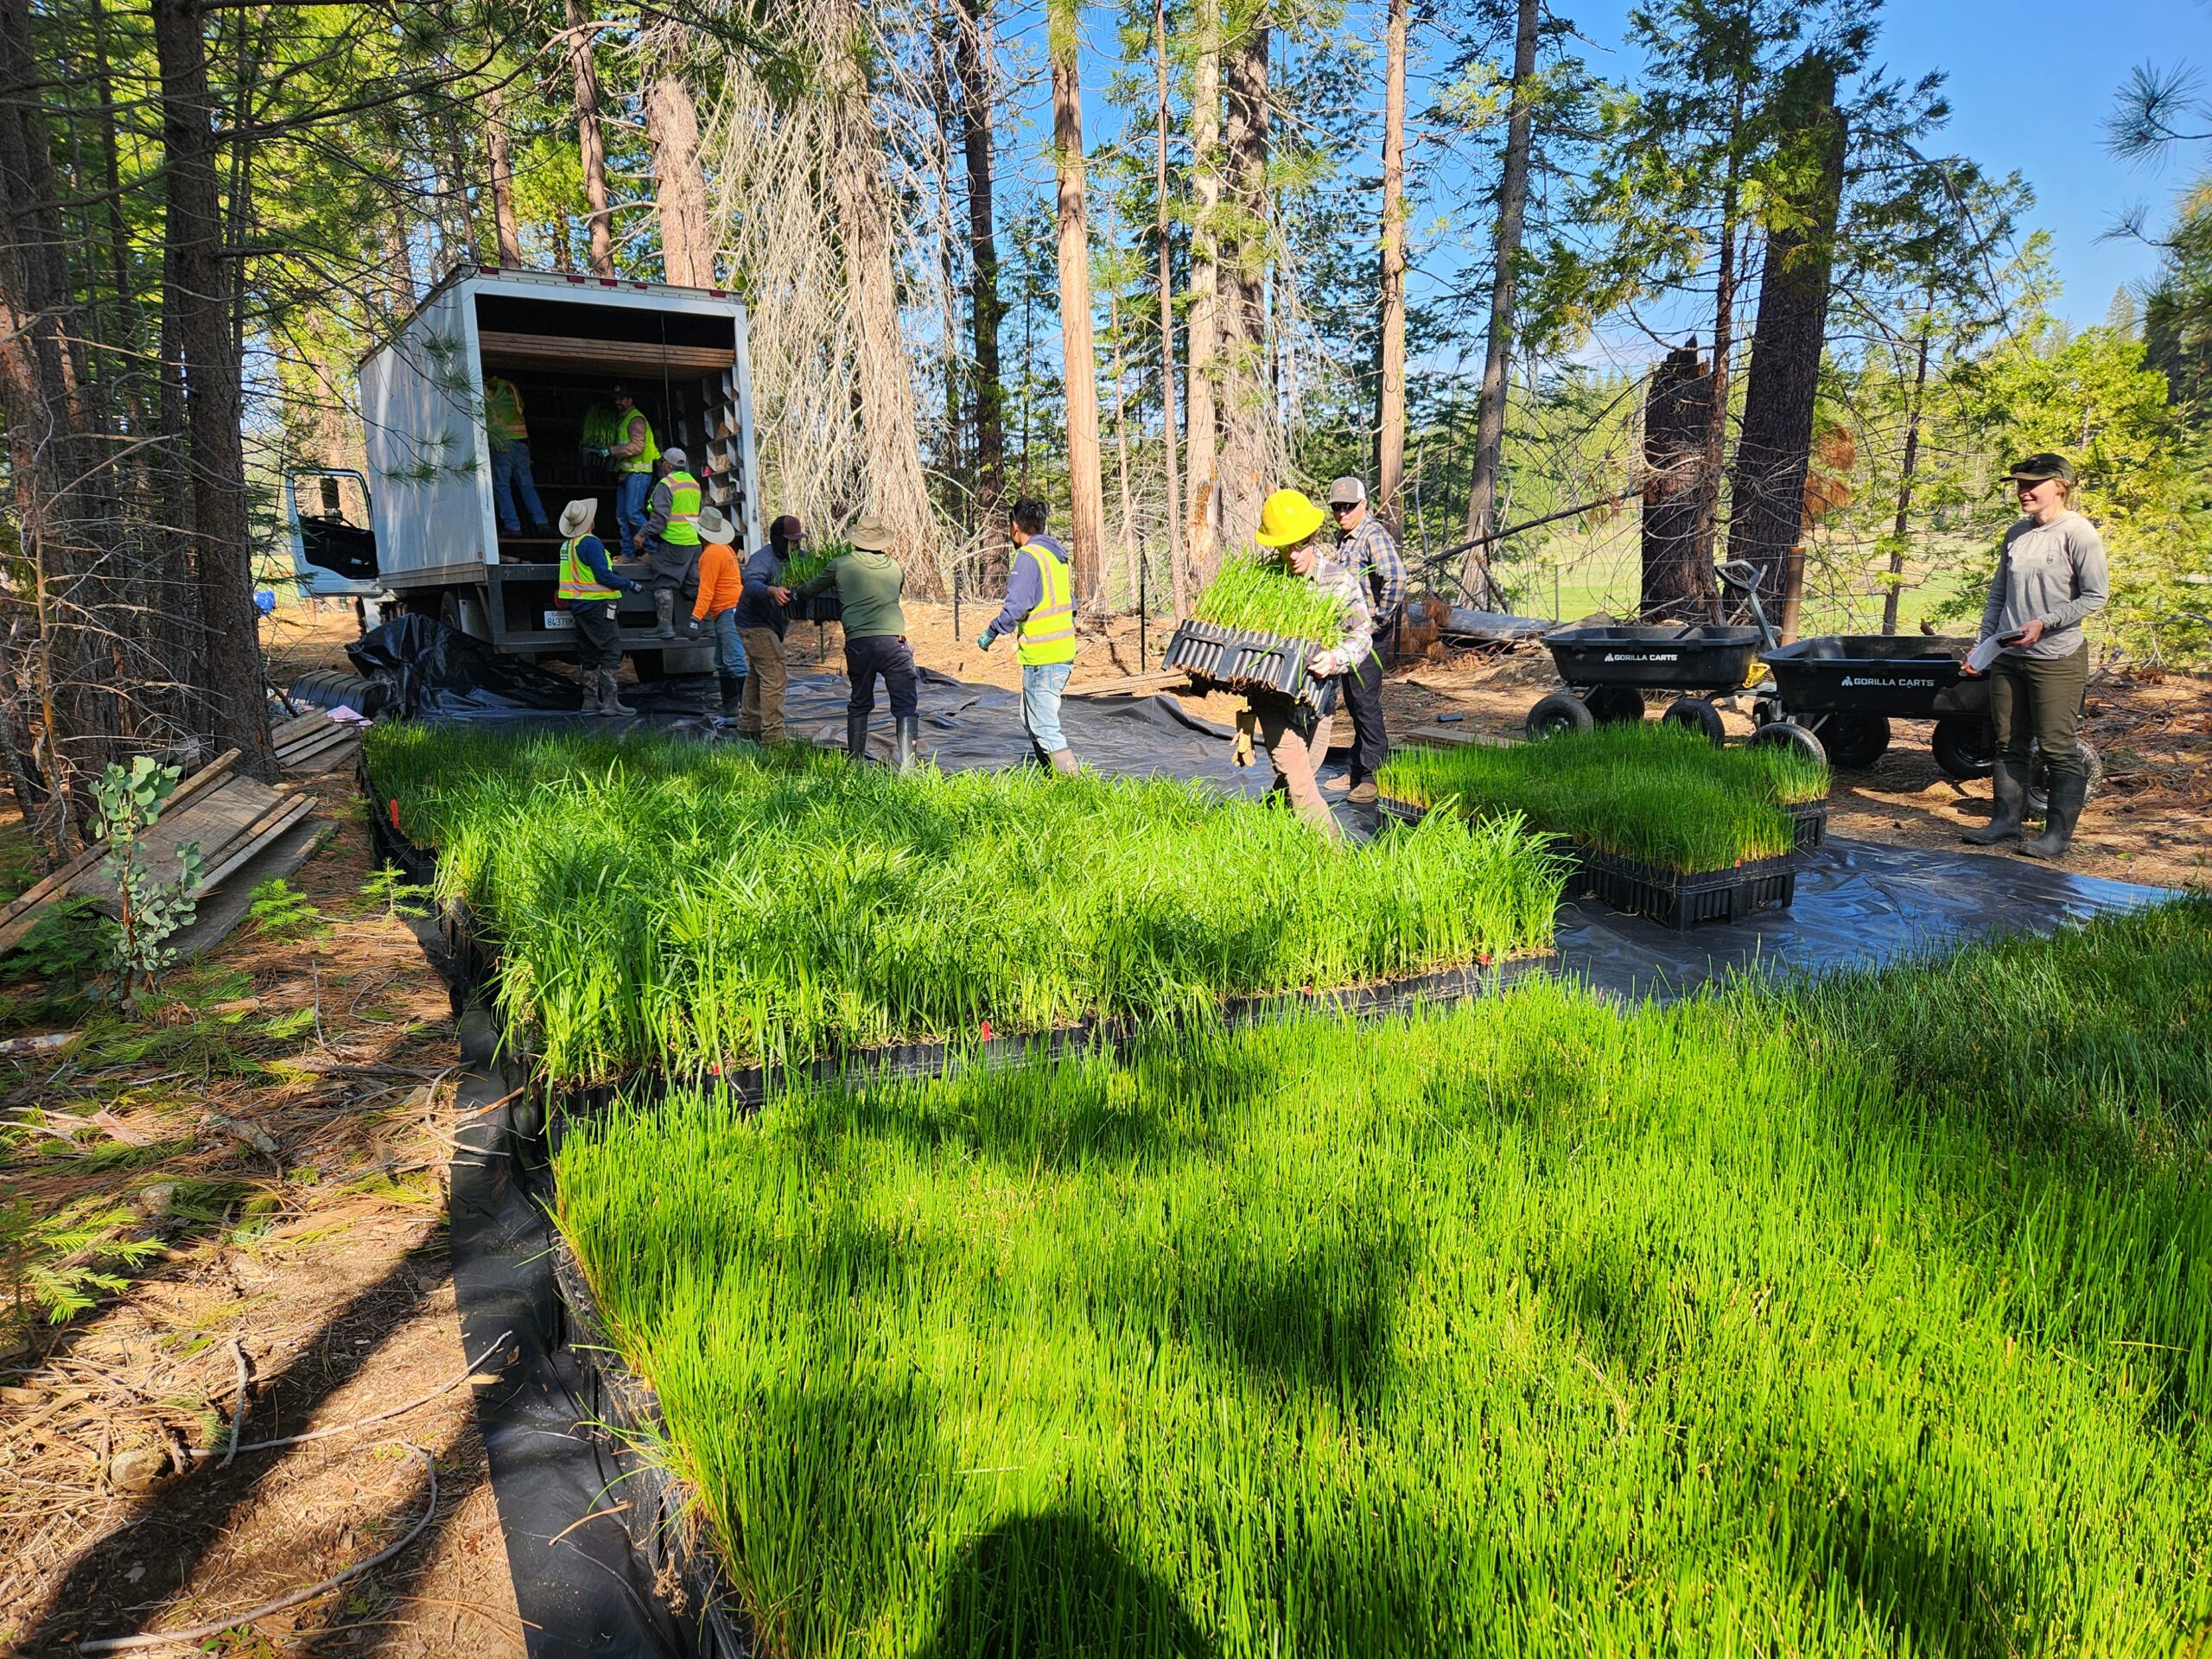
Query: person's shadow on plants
x: 1054, y: 1583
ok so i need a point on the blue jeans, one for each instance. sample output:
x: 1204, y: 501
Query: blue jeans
x: 1041, y: 685
x: 729, y: 651
x: 510, y: 475
x: 630, y: 497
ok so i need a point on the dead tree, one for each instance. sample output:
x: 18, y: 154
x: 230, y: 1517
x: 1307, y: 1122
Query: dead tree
x: 1678, y: 581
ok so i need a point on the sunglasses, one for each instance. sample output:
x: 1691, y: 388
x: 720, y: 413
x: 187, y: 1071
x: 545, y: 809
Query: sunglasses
x: 1344, y: 506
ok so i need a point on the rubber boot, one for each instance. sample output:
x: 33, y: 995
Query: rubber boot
x: 856, y: 735
x: 1064, y: 762
x: 905, y: 740
x: 2068, y: 791
x: 664, y: 614
x: 733, y: 693
x: 2009, y: 781
x: 610, y: 695
x: 587, y: 683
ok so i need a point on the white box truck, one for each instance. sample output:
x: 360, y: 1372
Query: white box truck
x: 433, y: 540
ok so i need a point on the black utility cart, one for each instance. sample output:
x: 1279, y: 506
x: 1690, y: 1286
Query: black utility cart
x: 1608, y: 671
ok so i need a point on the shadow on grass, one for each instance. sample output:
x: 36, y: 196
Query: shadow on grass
x: 1037, y: 1585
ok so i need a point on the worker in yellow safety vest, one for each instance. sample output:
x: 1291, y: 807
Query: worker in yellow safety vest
x: 508, y: 438
x: 634, y: 462
x: 1039, y: 612
x: 590, y: 587
x: 669, y: 538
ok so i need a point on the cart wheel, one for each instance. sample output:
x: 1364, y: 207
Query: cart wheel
x: 1784, y: 734
x: 2040, y: 777
x: 1559, y: 713
x: 1854, y: 741
x: 1765, y: 711
x: 1698, y: 716
x: 1615, y: 705
x: 1965, y: 746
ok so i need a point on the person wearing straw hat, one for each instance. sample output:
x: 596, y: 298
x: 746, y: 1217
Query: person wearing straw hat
x: 762, y: 622
x: 867, y: 583
x: 1296, y: 737
x: 2050, y: 574
x: 589, y: 587
x: 721, y: 587
x: 671, y: 528
x: 1365, y: 543
x: 1040, y: 611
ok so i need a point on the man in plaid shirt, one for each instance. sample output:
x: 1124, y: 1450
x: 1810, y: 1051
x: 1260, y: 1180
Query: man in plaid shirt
x: 1365, y: 546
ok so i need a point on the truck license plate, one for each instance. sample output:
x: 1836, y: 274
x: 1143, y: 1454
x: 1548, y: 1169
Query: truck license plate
x: 560, y: 620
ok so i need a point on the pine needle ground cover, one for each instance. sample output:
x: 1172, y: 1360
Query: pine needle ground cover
x: 665, y: 903
x: 1646, y: 791
x: 1258, y: 593
x: 1873, y: 1318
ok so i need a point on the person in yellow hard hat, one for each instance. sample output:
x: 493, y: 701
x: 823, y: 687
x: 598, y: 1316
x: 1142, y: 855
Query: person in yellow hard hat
x: 1297, y: 737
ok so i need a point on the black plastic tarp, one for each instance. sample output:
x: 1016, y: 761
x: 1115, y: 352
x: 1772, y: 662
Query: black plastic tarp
x: 433, y: 672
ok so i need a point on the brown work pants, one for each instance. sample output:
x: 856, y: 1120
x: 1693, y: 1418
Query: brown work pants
x: 761, y: 715
x: 1297, y: 744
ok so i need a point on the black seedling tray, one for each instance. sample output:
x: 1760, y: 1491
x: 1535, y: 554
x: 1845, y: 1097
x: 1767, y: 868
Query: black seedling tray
x: 1702, y: 656
x: 1897, y: 675
x: 1682, y: 899
x: 1811, y: 819
x: 823, y: 608
x: 1244, y: 660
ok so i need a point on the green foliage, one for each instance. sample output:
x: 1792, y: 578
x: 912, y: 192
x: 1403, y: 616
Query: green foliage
x: 280, y: 911
x: 151, y: 910
x: 662, y: 903
x: 1256, y: 592
x: 1539, y: 1326
x: 602, y: 427
x: 65, y: 946
x: 1645, y: 790
x: 57, y: 1267
x: 805, y: 563
x: 388, y: 886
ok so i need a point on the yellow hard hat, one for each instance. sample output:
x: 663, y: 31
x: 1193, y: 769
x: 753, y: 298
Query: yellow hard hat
x: 1288, y: 518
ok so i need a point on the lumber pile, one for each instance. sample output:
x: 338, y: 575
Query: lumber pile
x: 316, y: 743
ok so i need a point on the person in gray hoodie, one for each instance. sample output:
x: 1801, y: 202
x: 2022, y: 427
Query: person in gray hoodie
x: 2050, y: 574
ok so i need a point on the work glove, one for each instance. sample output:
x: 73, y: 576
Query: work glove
x: 603, y: 452
x: 692, y: 627
x: 1323, y: 666
x: 1240, y: 749
x: 986, y: 640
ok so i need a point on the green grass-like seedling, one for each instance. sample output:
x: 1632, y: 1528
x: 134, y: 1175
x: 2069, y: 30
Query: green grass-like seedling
x: 662, y: 903
x: 805, y: 563
x: 1647, y: 791
x: 1256, y: 592
x: 1869, y: 1318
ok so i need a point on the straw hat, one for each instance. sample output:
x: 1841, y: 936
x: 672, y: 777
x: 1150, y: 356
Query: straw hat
x: 713, y: 527
x: 872, y: 535
x: 1287, y: 518
x: 577, y: 518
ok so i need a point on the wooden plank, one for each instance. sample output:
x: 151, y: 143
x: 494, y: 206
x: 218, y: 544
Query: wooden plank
x: 291, y: 813
x: 41, y: 894
x: 498, y: 348
x: 1450, y: 737
x: 320, y: 733
x: 298, y: 726
x: 322, y: 743
x: 1131, y: 685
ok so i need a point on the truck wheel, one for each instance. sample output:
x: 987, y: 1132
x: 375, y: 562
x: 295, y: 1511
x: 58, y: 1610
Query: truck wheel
x: 1784, y: 734
x: 1559, y: 713
x: 1699, y: 717
x: 1855, y: 741
x: 2039, y: 777
x: 1965, y: 746
x: 1615, y: 705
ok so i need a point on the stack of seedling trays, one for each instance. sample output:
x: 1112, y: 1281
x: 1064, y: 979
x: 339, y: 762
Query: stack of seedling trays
x: 1243, y: 660
x: 1658, y: 822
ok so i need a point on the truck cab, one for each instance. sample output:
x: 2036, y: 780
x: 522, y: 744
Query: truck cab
x: 563, y: 342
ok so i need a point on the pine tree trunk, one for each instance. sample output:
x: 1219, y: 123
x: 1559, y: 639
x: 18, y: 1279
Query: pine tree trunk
x: 590, y: 144
x: 1774, y: 450
x: 231, y: 678
x: 1086, y: 490
x: 1203, y: 514
x: 502, y: 180
x: 1724, y: 345
x: 1908, y: 471
x: 1173, y: 516
x: 687, y: 249
x: 1678, y: 581
x: 1390, y: 429
x: 974, y: 62
x: 891, y: 445
x: 1497, y: 356
x: 1245, y: 378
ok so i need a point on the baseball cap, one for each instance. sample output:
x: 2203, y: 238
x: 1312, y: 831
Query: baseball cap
x: 2037, y: 467
x: 1346, y: 491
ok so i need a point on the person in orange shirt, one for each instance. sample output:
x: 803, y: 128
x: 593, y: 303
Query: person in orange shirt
x: 720, y: 583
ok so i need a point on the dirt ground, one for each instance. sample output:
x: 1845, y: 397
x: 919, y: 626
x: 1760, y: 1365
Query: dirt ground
x: 275, y: 1132
x: 2151, y: 823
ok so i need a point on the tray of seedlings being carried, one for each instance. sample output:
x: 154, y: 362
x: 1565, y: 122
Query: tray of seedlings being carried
x: 803, y: 567
x: 1657, y: 822
x: 1257, y: 627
